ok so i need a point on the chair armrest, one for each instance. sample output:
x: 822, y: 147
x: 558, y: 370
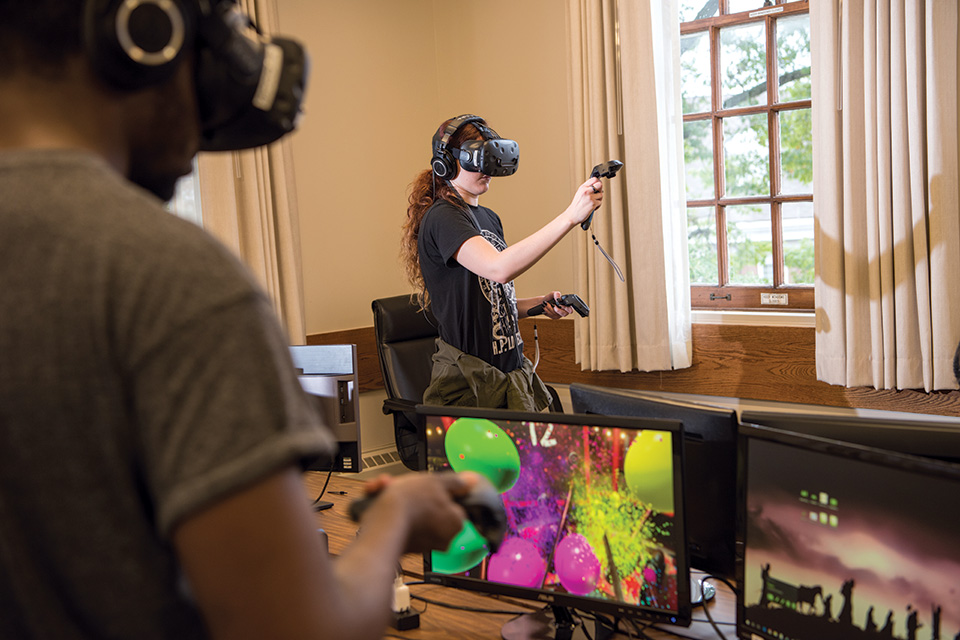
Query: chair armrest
x: 399, y: 405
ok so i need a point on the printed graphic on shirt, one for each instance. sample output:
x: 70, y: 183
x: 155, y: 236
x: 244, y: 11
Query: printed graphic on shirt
x: 503, y: 306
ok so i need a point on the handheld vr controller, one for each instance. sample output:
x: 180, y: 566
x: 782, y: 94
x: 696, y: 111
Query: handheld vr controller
x: 607, y: 169
x: 567, y: 300
x: 483, y: 505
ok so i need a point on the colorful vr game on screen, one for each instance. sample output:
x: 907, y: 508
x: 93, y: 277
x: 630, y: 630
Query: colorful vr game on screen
x: 842, y: 549
x: 590, y: 510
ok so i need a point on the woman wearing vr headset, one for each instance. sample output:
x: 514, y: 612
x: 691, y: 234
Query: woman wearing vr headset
x: 454, y: 253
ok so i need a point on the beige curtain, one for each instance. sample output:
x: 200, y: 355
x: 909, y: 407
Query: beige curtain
x: 626, y: 106
x: 885, y: 179
x: 249, y: 202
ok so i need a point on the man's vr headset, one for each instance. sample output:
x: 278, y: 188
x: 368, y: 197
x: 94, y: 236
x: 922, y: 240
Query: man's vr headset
x: 492, y: 156
x: 249, y: 86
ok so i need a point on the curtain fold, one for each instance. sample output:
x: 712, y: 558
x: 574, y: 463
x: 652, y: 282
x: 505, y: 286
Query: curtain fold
x: 625, y: 103
x: 249, y: 202
x: 885, y: 115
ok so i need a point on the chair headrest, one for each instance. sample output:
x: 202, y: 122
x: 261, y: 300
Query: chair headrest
x: 398, y: 318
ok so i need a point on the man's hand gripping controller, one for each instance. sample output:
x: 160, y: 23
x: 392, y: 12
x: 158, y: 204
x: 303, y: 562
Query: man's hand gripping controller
x: 607, y: 169
x: 483, y: 505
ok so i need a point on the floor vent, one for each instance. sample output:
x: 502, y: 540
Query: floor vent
x: 372, y: 460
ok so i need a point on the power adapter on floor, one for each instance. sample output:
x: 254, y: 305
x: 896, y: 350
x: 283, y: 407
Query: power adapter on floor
x: 404, y: 617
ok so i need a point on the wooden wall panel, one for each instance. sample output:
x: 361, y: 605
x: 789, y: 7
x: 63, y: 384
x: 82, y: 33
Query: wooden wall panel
x: 751, y: 362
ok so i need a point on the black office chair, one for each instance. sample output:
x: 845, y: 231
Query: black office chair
x: 406, y: 342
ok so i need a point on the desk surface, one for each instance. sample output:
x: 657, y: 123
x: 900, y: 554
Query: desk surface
x: 437, y: 621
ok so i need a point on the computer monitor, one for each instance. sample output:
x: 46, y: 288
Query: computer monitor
x: 937, y: 438
x: 840, y: 541
x: 328, y: 373
x: 710, y: 466
x: 595, y: 515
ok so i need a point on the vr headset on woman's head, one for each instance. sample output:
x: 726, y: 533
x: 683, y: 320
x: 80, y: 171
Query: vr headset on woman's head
x: 492, y: 156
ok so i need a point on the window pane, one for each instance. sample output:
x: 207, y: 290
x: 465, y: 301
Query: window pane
x: 745, y: 156
x: 698, y: 159
x: 702, y: 245
x: 186, y: 199
x: 796, y: 152
x: 750, y: 244
x: 743, y: 60
x: 695, y: 72
x: 736, y: 6
x: 697, y: 9
x: 793, y: 57
x: 798, y: 242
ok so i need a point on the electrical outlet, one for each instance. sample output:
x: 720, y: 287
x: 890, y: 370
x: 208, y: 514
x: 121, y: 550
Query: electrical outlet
x: 773, y: 298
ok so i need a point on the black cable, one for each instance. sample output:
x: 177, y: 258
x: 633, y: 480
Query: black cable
x: 324, y: 489
x: 639, y: 630
x: 706, y: 609
x: 459, y: 607
x: 670, y: 632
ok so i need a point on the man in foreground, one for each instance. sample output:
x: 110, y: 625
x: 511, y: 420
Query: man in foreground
x: 151, y: 424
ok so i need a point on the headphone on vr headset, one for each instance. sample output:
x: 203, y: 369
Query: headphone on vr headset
x: 492, y: 156
x: 249, y: 88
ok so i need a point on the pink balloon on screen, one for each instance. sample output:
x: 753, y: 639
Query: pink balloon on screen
x: 517, y: 562
x: 577, y: 565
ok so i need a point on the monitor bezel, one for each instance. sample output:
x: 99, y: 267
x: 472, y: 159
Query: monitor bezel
x: 818, y: 444
x: 936, y: 438
x: 681, y: 617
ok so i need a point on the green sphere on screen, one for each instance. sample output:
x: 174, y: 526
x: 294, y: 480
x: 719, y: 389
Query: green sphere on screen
x: 477, y: 444
x: 648, y: 469
x: 466, y: 550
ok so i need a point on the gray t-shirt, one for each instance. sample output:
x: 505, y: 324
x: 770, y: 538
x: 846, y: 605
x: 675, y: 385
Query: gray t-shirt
x: 143, y: 376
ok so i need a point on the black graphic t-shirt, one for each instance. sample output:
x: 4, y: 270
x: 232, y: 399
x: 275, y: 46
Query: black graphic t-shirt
x: 476, y: 315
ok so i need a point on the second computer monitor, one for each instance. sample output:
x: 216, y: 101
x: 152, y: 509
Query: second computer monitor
x: 842, y: 542
x: 710, y: 465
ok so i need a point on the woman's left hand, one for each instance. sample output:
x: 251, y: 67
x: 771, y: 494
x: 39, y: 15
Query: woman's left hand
x: 553, y: 309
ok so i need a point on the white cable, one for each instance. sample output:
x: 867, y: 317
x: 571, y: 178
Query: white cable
x: 536, y: 345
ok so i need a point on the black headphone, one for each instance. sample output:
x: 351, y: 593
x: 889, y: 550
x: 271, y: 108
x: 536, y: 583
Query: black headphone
x: 136, y: 43
x: 443, y: 163
x: 249, y: 87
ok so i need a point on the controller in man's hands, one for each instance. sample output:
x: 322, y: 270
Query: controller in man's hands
x: 606, y: 169
x: 567, y: 300
x: 483, y: 505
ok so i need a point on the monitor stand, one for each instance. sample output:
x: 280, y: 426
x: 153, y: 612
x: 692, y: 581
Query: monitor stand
x: 558, y: 623
x: 553, y: 623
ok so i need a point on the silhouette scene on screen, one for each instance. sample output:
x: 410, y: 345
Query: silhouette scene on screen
x: 806, y: 611
x: 848, y: 546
